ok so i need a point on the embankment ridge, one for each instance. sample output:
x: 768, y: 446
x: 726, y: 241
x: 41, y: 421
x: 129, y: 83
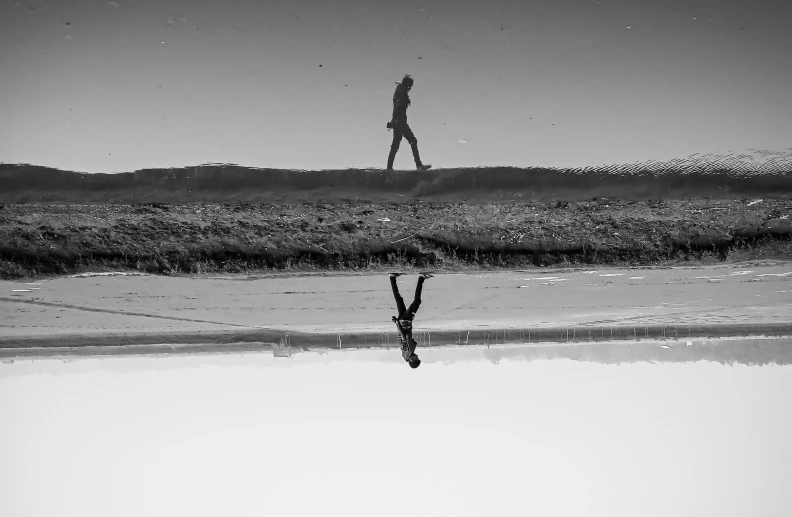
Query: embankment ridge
x: 218, y: 183
x: 228, y: 218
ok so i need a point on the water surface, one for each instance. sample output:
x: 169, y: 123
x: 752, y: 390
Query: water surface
x: 360, y: 433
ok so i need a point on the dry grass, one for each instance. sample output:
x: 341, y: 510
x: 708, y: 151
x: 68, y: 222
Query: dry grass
x: 38, y: 239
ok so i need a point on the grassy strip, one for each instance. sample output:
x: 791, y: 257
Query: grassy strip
x: 192, y: 239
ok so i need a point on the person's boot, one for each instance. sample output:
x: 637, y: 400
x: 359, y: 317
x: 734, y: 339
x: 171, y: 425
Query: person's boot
x: 417, y: 157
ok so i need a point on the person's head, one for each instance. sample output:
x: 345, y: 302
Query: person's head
x: 414, y: 361
x: 407, y: 81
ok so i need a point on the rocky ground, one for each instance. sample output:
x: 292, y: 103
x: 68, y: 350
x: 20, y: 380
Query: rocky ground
x: 40, y: 239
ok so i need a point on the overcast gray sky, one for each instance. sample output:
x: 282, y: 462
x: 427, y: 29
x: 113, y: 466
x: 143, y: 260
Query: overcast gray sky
x: 113, y: 86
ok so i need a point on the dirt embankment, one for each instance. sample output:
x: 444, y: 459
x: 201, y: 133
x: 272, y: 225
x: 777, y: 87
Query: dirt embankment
x: 224, y: 183
x: 236, y: 237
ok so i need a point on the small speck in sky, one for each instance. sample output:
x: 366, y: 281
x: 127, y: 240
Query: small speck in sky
x: 463, y: 141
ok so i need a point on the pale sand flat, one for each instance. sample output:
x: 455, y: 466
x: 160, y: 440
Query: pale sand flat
x: 66, y: 309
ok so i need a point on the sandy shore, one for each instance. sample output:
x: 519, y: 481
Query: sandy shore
x: 334, y: 311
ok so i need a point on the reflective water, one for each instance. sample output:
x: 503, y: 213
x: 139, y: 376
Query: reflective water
x: 360, y: 433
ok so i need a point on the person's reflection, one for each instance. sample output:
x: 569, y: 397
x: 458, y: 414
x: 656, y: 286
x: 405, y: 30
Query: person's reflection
x: 405, y: 318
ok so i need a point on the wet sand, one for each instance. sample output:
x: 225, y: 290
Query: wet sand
x: 334, y: 311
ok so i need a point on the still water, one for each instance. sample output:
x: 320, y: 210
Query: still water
x: 360, y: 433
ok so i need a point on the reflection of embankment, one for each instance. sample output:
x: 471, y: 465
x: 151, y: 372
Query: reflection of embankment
x: 753, y: 352
x: 232, y: 183
x: 692, y: 344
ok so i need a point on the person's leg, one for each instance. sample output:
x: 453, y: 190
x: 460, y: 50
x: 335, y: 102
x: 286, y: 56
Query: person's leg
x: 410, y: 137
x: 399, y: 299
x: 417, y: 300
x: 397, y: 136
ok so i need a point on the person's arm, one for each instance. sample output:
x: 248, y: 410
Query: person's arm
x: 400, y: 103
x: 396, y: 105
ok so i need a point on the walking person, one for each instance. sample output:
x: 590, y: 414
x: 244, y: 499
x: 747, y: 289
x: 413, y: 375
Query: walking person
x: 401, y: 100
x: 405, y: 318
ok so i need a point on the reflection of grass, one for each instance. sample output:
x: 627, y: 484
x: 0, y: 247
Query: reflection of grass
x: 187, y: 239
x: 750, y: 352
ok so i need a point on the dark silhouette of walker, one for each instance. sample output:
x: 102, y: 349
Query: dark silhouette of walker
x: 405, y: 318
x: 401, y: 100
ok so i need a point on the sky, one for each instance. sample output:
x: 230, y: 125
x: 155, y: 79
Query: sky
x: 358, y: 433
x: 115, y: 86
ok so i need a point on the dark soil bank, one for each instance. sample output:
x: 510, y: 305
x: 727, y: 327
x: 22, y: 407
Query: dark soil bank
x: 38, y: 238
